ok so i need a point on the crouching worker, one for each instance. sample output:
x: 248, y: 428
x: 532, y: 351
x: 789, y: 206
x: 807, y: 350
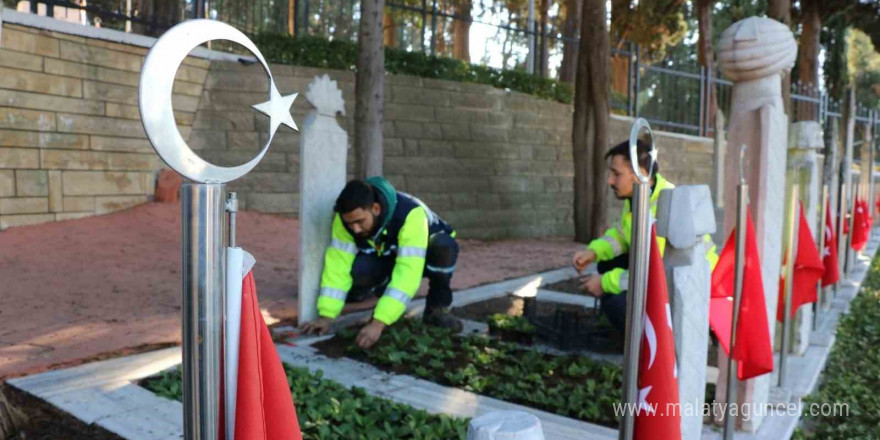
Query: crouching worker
x: 383, y: 243
x: 611, y: 251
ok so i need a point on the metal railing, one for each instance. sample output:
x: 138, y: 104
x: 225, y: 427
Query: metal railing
x: 675, y: 94
x: 111, y: 14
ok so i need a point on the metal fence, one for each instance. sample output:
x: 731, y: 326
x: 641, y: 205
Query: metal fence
x: 675, y: 94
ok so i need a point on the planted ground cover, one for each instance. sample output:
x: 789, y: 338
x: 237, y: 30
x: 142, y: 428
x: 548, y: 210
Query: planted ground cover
x: 327, y: 410
x: 851, y: 374
x: 570, y: 386
x: 563, y: 326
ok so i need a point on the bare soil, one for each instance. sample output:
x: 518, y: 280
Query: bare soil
x: 72, y: 290
x: 46, y: 422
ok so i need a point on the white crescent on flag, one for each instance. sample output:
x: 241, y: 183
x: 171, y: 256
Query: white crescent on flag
x: 651, y: 336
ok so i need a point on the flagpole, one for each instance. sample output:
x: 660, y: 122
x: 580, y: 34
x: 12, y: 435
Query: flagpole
x: 203, y: 260
x: 841, y: 241
x: 742, y: 195
x: 232, y: 209
x: 229, y: 365
x: 791, y: 254
x: 852, y: 224
x: 820, y: 243
x: 638, y: 278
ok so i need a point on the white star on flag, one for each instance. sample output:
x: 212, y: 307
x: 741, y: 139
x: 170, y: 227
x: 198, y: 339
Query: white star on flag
x: 277, y: 108
x: 643, y: 401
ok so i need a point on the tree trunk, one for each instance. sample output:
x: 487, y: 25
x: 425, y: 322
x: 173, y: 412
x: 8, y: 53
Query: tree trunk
x: 440, y: 38
x: 569, y: 46
x: 461, y: 29
x: 706, y: 56
x: 780, y: 10
x: 809, y: 58
x: 590, y: 125
x: 713, y: 114
x: 389, y: 34
x: 369, y: 84
x: 544, y: 60
x: 291, y: 17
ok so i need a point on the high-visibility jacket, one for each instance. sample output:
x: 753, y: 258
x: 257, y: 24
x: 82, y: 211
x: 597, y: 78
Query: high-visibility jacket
x: 616, y: 241
x: 406, y: 224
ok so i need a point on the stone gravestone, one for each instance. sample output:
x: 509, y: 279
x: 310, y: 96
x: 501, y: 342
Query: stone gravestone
x: 754, y: 53
x: 322, y: 157
x: 505, y: 425
x: 685, y: 214
x: 805, y: 168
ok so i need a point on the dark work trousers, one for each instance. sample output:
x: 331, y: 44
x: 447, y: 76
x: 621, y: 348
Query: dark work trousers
x: 614, y: 306
x: 371, y: 273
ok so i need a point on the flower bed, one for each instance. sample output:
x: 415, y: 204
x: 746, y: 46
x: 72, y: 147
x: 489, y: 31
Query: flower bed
x: 570, y: 386
x: 327, y: 410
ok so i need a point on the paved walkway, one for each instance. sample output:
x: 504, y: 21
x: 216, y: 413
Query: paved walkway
x: 73, y: 290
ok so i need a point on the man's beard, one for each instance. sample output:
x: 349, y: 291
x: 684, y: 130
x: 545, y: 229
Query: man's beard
x: 368, y: 234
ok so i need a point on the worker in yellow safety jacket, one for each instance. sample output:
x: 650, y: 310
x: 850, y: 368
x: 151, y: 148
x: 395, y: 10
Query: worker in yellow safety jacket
x: 611, y: 251
x: 383, y: 243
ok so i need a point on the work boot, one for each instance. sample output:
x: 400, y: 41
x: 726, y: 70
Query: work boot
x: 443, y: 319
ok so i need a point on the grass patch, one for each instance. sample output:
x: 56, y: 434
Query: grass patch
x: 327, y: 410
x: 570, y: 386
x: 852, y: 373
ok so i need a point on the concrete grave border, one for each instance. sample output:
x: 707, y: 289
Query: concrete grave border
x: 104, y: 392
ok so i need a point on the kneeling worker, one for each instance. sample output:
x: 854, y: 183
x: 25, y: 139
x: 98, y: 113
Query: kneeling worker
x: 383, y: 243
x: 611, y: 251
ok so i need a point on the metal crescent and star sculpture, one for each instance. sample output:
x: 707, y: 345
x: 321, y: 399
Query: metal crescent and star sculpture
x: 636, y: 129
x: 157, y: 113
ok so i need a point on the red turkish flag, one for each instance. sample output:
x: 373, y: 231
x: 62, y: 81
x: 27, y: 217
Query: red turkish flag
x: 829, y: 252
x: 659, y: 414
x: 808, y: 269
x: 264, y: 406
x: 861, y: 226
x: 754, y: 350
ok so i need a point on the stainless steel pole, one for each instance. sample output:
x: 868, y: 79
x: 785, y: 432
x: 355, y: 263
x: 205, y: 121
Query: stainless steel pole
x: 850, y: 255
x: 639, y: 253
x: 202, y: 212
x: 232, y: 208
x: 790, y: 255
x: 841, y: 240
x: 742, y: 195
x: 820, y: 244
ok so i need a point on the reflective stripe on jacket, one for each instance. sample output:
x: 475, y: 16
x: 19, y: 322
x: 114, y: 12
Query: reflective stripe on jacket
x: 616, y: 241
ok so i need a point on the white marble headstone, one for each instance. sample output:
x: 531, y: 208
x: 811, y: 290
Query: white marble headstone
x: 685, y: 214
x: 323, y: 154
x: 754, y: 53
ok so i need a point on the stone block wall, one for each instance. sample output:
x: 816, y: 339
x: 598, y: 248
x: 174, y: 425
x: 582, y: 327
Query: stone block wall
x: 494, y: 163
x: 71, y: 141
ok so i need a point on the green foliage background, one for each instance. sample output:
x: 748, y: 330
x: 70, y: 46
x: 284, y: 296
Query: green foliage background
x: 339, y: 54
x: 852, y: 372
